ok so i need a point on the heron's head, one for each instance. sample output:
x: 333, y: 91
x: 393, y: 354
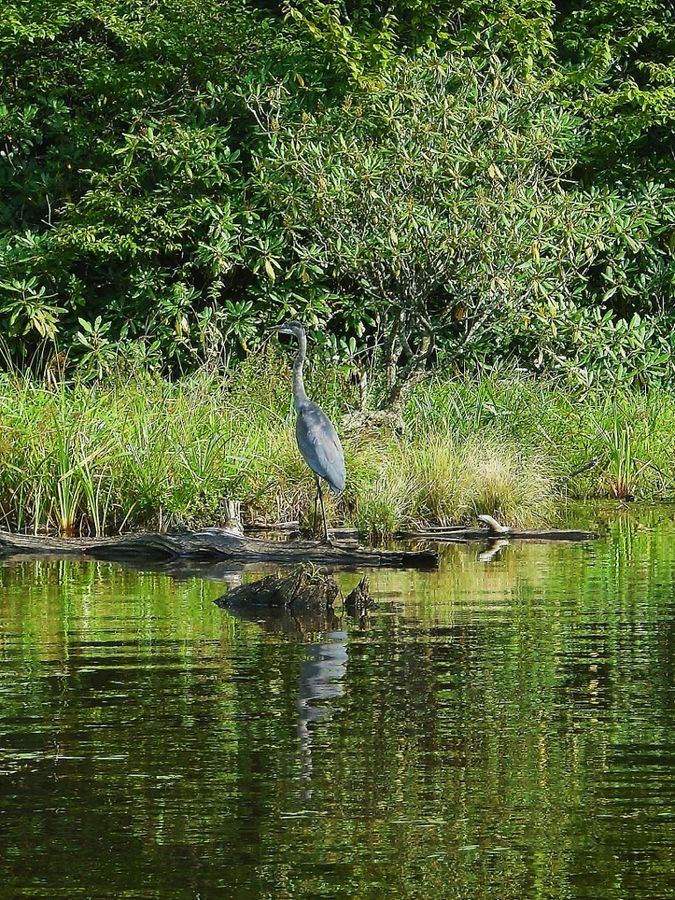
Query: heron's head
x: 295, y: 329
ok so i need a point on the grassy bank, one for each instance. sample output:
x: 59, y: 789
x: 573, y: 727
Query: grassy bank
x: 142, y: 452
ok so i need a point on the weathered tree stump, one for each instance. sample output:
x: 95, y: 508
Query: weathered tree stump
x: 297, y: 603
x: 358, y: 602
x: 307, y: 590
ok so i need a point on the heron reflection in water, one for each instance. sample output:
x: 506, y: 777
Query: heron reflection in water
x: 322, y: 671
x: 321, y: 680
x: 317, y: 438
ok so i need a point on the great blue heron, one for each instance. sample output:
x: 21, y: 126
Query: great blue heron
x: 317, y: 439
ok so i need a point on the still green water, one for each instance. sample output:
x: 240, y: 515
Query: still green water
x: 497, y: 729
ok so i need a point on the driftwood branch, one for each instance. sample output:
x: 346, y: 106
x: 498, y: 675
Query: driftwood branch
x: 491, y: 530
x: 494, y: 526
x: 494, y: 530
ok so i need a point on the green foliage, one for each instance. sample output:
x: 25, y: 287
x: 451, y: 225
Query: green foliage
x: 440, y: 195
x: 362, y: 36
x: 123, y: 180
x: 618, y: 63
x: 135, y: 139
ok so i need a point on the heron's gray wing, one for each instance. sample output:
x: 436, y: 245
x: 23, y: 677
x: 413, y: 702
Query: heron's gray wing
x: 320, y: 446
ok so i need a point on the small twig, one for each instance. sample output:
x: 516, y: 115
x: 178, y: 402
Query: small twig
x: 591, y: 464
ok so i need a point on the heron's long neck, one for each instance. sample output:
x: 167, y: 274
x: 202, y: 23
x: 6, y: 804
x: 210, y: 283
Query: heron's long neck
x: 299, y: 394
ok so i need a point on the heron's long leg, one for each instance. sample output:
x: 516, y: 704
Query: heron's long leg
x: 316, y: 506
x: 323, y: 511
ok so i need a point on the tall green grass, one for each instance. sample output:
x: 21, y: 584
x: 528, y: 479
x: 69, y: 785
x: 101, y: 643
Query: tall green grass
x: 595, y: 444
x: 141, y: 452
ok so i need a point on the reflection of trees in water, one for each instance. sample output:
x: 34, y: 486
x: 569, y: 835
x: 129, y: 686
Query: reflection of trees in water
x: 501, y: 706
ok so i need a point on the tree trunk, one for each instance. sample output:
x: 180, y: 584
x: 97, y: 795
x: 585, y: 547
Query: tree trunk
x: 405, y: 377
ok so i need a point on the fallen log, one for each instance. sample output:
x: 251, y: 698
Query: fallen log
x: 489, y: 530
x: 467, y: 535
x: 338, y: 533
x: 291, y: 525
x: 210, y: 544
x: 462, y: 534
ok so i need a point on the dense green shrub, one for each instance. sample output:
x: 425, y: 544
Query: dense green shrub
x: 132, y: 219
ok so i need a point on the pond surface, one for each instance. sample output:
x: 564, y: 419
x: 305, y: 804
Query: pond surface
x: 497, y: 729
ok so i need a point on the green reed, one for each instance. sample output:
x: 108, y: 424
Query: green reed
x: 142, y: 452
